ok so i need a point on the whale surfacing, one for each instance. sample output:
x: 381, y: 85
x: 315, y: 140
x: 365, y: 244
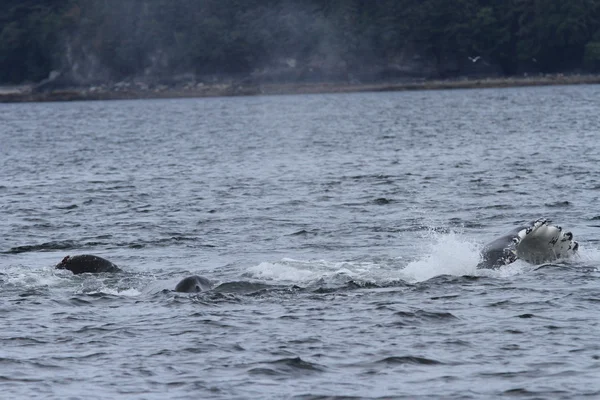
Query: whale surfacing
x: 193, y: 284
x: 537, y: 242
x: 87, y: 263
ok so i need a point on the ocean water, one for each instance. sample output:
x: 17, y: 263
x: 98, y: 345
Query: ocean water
x: 342, y: 233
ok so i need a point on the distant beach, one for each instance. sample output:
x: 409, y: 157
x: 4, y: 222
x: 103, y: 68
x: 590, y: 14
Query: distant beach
x: 127, y: 91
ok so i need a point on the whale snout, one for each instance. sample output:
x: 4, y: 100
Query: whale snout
x: 193, y: 284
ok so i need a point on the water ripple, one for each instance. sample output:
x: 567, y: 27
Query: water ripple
x: 342, y: 233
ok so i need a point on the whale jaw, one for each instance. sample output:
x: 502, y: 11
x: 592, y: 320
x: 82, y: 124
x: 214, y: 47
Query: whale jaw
x: 543, y: 242
x: 536, y: 243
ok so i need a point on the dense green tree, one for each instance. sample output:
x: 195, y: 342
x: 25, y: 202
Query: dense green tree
x: 318, y: 39
x: 555, y: 33
x: 29, y: 33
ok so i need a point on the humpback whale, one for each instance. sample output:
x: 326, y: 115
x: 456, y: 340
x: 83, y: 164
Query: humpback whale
x: 536, y: 242
x: 87, y: 263
x: 93, y: 264
x: 193, y: 284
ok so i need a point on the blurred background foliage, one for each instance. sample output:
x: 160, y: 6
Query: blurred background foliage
x: 99, y: 40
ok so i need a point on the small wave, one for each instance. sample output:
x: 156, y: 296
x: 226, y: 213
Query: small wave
x: 32, y: 280
x: 286, y: 270
x: 166, y: 242
x: 382, y: 201
x: 553, y: 267
x: 76, y: 301
x: 359, y: 284
x: 559, y: 204
x: 243, y: 287
x: 92, y: 355
x: 287, y: 366
x: 263, y: 371
x: 208, y: 298
x: 409, y: 360
x: 526, y: 316
x: 325, y: 276
x: 422, y: 315
x: 446, y: 280
x: 69, y: 207
x: 25, y: 341
x: 96, y: 329
x: 20, y: 379
x: 130, y: 292
x: 48, y: 246
x: 304, y: 232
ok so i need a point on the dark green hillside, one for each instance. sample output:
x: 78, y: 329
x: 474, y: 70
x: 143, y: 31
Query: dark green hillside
x: 94, y: 41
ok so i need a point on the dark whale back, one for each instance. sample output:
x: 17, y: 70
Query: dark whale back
x: 193, y: 284
x: 87, y: 263
x: 501, y: 251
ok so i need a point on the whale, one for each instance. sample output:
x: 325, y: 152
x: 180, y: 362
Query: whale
x: 87, y: 263
x: 536, y: 242
x: 193, y: 284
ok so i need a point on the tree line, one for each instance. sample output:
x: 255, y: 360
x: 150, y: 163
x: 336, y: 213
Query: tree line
x: 117, y: 39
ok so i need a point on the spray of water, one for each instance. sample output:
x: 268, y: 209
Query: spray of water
x: 443, y: 254
x: 448, y: 254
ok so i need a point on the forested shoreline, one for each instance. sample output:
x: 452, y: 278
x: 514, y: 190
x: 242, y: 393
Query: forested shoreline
x: 93, y: 42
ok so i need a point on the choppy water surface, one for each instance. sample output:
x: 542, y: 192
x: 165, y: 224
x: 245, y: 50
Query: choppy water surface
x: 342, y: 232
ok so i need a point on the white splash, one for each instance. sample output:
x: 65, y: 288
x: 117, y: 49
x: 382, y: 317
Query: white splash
x: 588, y: 255
x: 449, y: 254
x: 26, y: 277
x: 298, y: 271
x: 446, y: 254
x: 442, y: 254
x: 131, y: 292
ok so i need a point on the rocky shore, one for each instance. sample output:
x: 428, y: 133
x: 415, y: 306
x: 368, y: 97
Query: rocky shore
x: 136, y: 90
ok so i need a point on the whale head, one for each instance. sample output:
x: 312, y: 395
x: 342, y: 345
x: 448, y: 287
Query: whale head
x: 542, y: 242
x: 537, y: 242
x: 193, y: 284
